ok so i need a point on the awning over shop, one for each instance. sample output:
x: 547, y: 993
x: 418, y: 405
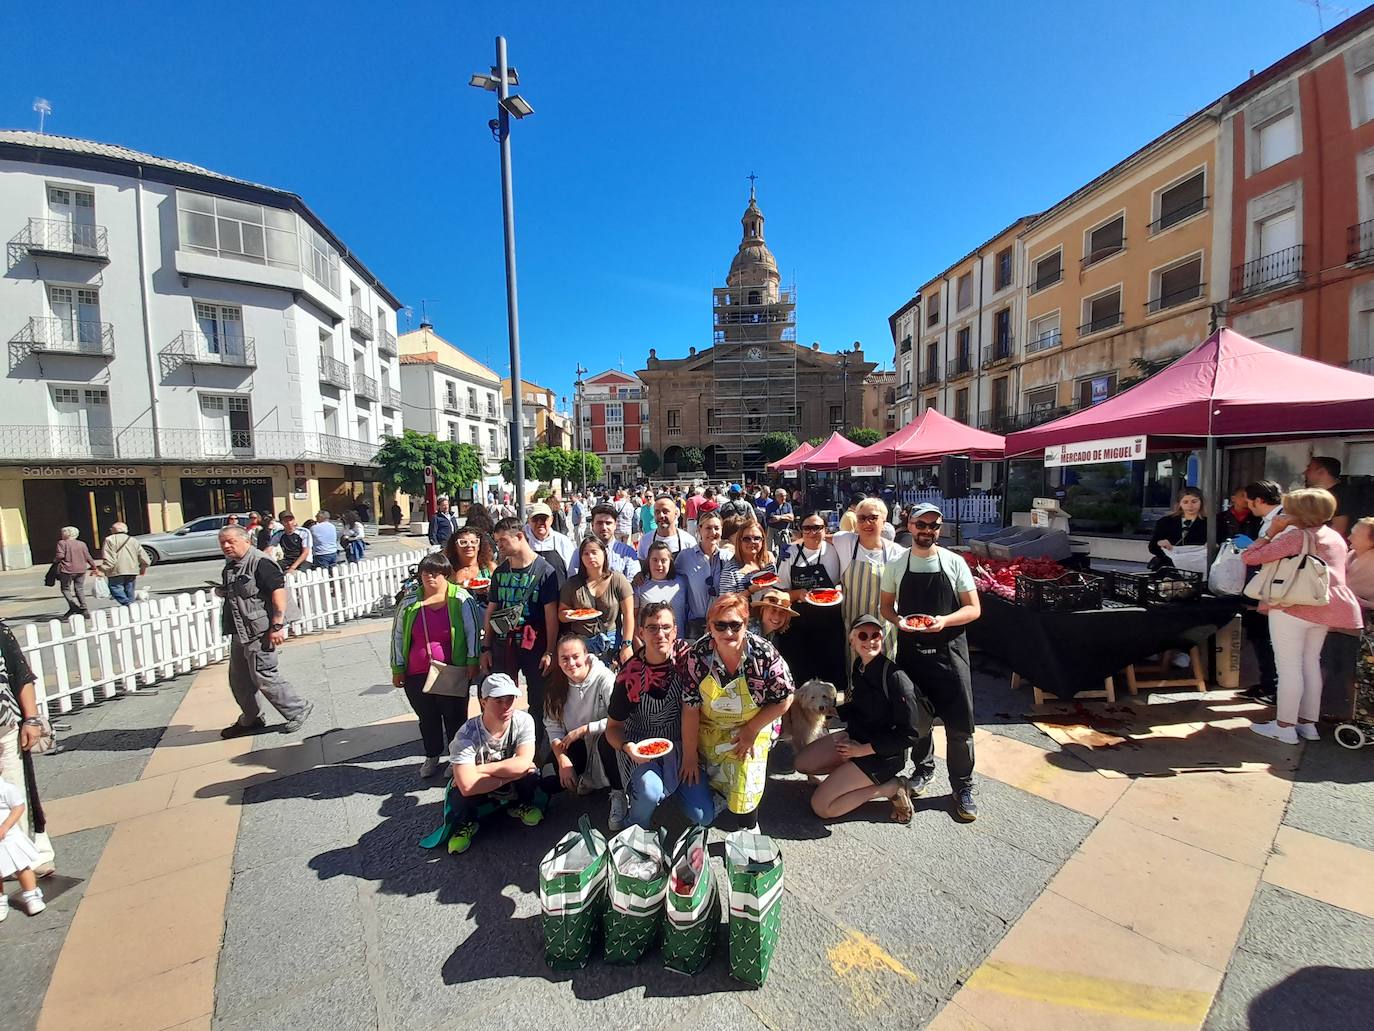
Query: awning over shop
x: 927, y: 439
x: 833, y: 454
x: 803, y: 449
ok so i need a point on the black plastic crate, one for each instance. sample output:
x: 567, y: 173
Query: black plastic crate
x: 1069, y: 592
x: 1157, y: 587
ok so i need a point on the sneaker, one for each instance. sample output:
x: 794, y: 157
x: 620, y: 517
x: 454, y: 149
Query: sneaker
x: 1258, y: 691
x: 965, y: 808
x: 1308, y: 732
x: 295, y: 723
x: 916, y: 784
x: 1288, y: 735
x: 529, y: 815
x: 4, y: 907
x: 429, y: 767
x: 461, y: 840
x: 902, y: 810
x: 620, y: 809
x: 1182, y: 660
x: 31, y: 902
x: 243, y: 729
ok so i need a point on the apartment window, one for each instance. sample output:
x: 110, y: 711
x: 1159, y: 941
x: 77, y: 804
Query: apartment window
x: 1042, y: 399
x: 319, y: 260
x: 965, y: 291
x: 961, y: 404
x: 1278, y: 255
x: 615, y: 438
x: 1095, y: 389
x: 1044, y: 333
x: 233, y: 229
x: 929, y: 403
x: 1364, y: 91
x: 933, y: 309
x: 453, y: 433
x: 615, y: 414
x: 472, y: 399
x: 713, y: 420
x: 1101, y: 312
x: 450, y: 395
x: 474, y: 436
x: 674, y: 419
x: 836, y: 415
x: 1047, y: 271
x: 1182, y: 200
x: 220, y: 327
x: 906, y: 344
x: 1176, y: 284
x: 226, y: 423
x: 1276, y: 140
x: 1104, y: 241
x: 932, y: 371
x: 963, y: 338
x: 1001, y: 332
x: 1004, y: 268
x: 76, y: 311
x: 491, y: 442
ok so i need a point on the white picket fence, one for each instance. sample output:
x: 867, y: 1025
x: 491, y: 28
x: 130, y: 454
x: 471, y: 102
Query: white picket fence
x: 977, y: 508
x: 124, y: 649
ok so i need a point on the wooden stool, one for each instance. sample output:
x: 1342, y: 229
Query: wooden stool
x: 1160, y: 675
x: 1108, y: 691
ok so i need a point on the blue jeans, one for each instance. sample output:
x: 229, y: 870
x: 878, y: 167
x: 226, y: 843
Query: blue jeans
x: 122, y: 588
x: 324, y: 561
x: 652, y: 782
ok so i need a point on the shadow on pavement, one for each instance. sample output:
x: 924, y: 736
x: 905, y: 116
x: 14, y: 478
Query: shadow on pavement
x: 1331, y: 998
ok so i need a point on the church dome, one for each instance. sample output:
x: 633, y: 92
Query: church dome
x: 753, y: 263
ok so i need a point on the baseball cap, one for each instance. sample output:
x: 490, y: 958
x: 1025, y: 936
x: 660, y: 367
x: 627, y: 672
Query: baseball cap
x: 867, y: 619
x: 734, y: 488
x: 499, y: 685
x: 924, y: 508
x: 539, y: 509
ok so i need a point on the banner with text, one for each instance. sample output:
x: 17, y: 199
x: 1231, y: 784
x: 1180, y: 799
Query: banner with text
x: 1091, y: 452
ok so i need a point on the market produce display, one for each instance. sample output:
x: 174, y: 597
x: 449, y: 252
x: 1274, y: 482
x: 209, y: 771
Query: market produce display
x: 998, y: 575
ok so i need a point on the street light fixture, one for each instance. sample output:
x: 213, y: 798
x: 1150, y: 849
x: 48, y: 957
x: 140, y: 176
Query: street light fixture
x: 500, y: 80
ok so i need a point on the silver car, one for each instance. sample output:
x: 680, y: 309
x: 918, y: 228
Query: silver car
x: 197, y: 539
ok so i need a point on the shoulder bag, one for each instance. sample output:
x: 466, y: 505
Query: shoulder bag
x: 509, y: 618
x: 443, y: 679
x: 1301, y: 579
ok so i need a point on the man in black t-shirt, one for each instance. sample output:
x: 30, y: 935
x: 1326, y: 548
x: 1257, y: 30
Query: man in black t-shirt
x: 521, y: 624
x: 295, y: 544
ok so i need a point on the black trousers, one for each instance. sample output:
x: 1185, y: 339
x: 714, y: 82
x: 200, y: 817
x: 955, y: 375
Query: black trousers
x: 440, y: 716
x: 529, y: 788
x: 509, y: 658
x: 577, y: 755
x: 947, y: 682
x: 1255, y: 625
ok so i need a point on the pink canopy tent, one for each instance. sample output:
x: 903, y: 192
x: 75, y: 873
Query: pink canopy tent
x: 928, y: 439
x: 1227, y: 389
x: 833, y: 454
x: 803, y: 449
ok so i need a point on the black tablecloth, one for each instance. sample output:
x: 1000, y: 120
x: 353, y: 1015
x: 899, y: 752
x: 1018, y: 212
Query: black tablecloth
x: 1063, y: 653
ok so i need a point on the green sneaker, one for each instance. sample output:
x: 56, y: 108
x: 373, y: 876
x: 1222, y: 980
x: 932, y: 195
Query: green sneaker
x: 530, y: 816
x: 462, y: 838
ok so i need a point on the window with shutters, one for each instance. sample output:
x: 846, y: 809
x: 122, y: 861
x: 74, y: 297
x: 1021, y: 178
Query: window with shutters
x: 1106, y: 240
x: 1047, y: 270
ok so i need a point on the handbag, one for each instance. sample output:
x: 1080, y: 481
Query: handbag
x: 509, y: 618
x: 443, y: 678
x: 50, y: 578
x: 1301, y: 579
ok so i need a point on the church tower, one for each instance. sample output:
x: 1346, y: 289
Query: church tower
x: 754, y: 355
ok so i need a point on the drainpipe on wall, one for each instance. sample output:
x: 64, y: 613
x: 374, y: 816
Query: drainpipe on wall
x: 145, y: 301
x: 977, y: 355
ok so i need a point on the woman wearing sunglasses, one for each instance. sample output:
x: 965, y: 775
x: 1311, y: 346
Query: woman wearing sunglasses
x: 884, y: 719
x: 751, y: 558
x: 814, y: 565
x: 737, y: 687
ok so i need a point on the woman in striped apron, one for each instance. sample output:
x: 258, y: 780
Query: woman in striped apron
x: 863, y: 555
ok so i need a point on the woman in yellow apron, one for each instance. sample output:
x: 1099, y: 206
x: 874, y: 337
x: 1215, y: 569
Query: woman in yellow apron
x: 737, y: 689
x: 863, y: 555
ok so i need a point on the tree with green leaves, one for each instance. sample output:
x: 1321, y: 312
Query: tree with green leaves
x: 863, y: 436
x: 649, y: 462
x: 690, y: 460
x: 403, y: 460
x: 773, y: 446
x: 817, y: 441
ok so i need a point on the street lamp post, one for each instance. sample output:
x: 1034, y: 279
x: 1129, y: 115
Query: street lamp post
x: 500, y: 80
x: 580, y: 400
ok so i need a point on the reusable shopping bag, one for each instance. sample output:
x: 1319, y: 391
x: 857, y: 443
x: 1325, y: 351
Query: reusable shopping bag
x: 572, y: 896
x: 693, y: 906
x: 753, y: 864
x: 1192, y: 557
x: 1300, y: 579
x: 1227, y: 575
x: 638, y: 878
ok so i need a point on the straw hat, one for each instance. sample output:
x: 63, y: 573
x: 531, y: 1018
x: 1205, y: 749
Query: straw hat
x: 776, y: 599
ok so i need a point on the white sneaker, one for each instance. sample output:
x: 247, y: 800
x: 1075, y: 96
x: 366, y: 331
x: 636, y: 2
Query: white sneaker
x: 4, y: 907
x: 1287, y: 735
x: 620, y: 809
x: 1308, y: 732
x: 429, y: 767
x: 32, y: 902
x: 1182, y: 660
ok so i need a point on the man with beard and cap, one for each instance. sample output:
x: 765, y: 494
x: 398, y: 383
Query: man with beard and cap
x: 932, y: 581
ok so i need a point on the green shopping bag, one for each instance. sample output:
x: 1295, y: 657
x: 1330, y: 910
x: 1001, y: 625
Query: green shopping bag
x: 635, y: 914
x: 753, y: 864
x: 572, y: 896
x: 693, y: 918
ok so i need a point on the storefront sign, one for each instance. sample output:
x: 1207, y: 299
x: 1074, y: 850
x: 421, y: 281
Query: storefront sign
x: 230, y: 481
x: 226, y: 470
x: 53, y: 471
x: 789, y: 474
x: 1090, y: 452
x: 112, y: 481
x: 865, y: 470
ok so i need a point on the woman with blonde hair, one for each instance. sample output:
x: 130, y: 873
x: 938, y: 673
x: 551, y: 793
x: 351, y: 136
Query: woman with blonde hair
x: 1298, y: 631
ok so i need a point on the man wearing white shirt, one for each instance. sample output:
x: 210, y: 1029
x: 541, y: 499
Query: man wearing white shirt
x: 1266, y: 499
x: 701, y: 564
x: 555, y: 548
x: 625, y: 512
x: 624, y: 559
x: 666, y: 516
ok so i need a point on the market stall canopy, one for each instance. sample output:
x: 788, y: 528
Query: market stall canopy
x: 803, y: 449
x: 1228, y: 386
x: 833, y: 454
x: 928, y: 439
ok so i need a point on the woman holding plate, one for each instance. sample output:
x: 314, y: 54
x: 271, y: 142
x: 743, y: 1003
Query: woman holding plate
x: 469, y: 553
x: 815, y: 565
x: 751, y: 560
x: 599, y: 588
x: 863, y: 555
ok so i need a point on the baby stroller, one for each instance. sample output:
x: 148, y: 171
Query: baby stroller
x: 1358, y: 731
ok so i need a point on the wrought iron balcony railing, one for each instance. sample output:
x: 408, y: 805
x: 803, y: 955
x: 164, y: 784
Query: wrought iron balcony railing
x: 1175, y: 298
x: 993, y: 419
x: 360, y: 322
x: 49, y: 335
x: 60, y: 238
x: 1268, y: 272
x: 1175, y: 215
x: 961, y: 365
x: 903, y: 390
x: 1046, y: 281
x: 366, y: 386
x: 929, y: 376
x: 1103, y: 253
x: 997, y: 352
x: 392, y: 398
x: 1365, y: 365
x: 386, y: 343
x: 192, y: 347
x: 1099, y: 324
x: 1359, y: 241
x: 140, y: 443
x: 1044, y: 342
x: 334, y: 372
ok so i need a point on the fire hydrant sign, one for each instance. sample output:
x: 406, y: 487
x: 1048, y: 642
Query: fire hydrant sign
x: 1090, y: 452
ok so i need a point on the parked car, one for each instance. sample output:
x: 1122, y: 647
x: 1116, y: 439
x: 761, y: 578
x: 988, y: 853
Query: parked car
x: 197, y: 539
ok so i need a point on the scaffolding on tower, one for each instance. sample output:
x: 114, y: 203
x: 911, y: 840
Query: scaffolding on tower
x: 753, y: 371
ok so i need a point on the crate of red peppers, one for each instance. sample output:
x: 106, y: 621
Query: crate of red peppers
x: 998, y: 575
x: 1068, y: 592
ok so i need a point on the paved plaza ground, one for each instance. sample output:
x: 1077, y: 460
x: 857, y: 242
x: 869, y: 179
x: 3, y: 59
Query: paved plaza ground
x: 276, y: 882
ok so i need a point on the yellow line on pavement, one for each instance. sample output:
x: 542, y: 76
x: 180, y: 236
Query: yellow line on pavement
x: 1096, y: 994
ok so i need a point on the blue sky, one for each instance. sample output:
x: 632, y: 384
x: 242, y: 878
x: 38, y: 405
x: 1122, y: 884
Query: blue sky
x: 889, y: 138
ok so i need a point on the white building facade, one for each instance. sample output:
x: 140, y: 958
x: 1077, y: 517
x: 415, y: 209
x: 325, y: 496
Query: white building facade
x: 181, y: 343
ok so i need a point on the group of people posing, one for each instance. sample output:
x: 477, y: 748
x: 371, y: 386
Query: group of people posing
x: 699, y: 638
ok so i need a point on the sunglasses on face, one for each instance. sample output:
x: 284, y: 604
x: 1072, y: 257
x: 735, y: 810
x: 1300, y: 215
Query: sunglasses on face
x: 728, y: 626
x: 812, y: 529
x: 871, y: 517
x: 925, y: 526
x: 868, y: 635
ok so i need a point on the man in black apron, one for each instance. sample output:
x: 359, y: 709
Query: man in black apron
x: 931, y: 581
x: 814, y: 567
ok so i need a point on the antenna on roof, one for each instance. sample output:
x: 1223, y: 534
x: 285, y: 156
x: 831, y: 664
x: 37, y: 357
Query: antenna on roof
x: 43, y: 108
x: 425, y: 302
x: 1321, y: 5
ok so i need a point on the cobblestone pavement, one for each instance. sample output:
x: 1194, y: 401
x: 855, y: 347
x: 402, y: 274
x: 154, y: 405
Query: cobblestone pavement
x: 277, y: 883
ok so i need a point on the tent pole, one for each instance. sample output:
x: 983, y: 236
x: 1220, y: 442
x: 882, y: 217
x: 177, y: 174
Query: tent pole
x: 1209, y: 492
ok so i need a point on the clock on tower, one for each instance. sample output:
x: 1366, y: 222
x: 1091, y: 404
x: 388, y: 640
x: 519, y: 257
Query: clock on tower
x: 754, y: 354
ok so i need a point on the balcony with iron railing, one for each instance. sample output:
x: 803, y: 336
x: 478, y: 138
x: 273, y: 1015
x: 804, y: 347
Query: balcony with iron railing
x: 1365, y: 365
x: 904, y: 390
x: 360, y: 322
x: 1036, y: 417
x: 1359, y: 242
x: 192, y: 347
x: 1268, y: 272
x: 1175, y: 297
x: 1046, y: 281
x: 929, y: 376
x: 366, y: 386
x: 391, y: 397
x: 1102, y: 253
x: 48, y: 335
x: 386, y: 343
x: 993, y: 419
x: 997, y: 352
x: 55, y: 237
x: 139, y: 443
x: 1044, y: 342
x: 1100, y: 324
x: 452, y: 406
x: 962, y: 365
x: 491, y: 413
x: 905, y: 347
x: 1175, y: 215
x: 334, y: 372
